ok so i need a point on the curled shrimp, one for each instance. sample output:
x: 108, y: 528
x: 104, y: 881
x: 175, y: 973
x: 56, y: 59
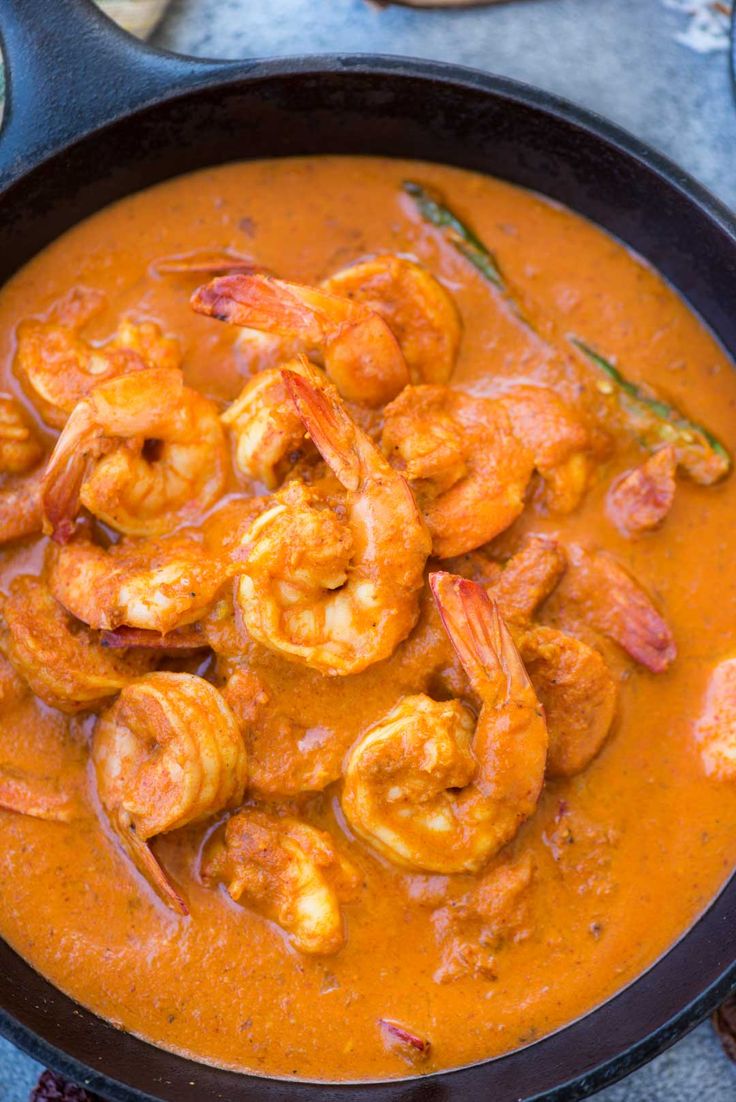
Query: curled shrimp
x: 571, y: 678
x: 288, y: 871
x: 602, y: 595
x: 167, y: 594
x: 168, y: 753
x: 60, y: 659
x: 420, y: 312
x: 336, y: 592
x: 527, y: 579
x: 639, y: 500
x: 267, y: 431
x: 466, y: 466
x: 142, y: 452
x: 558, y: 440
x: 20, y: 494
x: 158, y: 585
x: 361, y: 354
x: 577, y: 691
x: 58, y: 367
x: 429, y: 788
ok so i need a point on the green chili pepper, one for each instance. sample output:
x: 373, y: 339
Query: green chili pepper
x: 699, y: 452
x: 434, y: 211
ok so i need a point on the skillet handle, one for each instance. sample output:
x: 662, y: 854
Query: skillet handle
x: 69, y: 70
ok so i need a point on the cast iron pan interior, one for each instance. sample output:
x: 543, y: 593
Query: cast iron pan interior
x: 94, y: 117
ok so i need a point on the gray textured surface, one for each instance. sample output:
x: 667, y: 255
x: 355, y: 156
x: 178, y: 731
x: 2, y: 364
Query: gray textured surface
x: 617, y: 57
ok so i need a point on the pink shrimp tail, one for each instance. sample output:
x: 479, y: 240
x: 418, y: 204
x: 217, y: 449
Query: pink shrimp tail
x: 257, y: 301
x: 60, y: 498
x: 142, y: 857
x: 63, y: 477
x: 477, y: 631
x: 330, y: 427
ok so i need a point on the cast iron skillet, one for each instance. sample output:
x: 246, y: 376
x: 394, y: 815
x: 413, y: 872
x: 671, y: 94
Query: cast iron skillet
x: 94, y: 116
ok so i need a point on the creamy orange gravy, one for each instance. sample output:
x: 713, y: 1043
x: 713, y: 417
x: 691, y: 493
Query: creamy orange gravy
x: 653, y: 838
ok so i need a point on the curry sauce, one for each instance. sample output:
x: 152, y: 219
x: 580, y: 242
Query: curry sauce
x: 616, y: 861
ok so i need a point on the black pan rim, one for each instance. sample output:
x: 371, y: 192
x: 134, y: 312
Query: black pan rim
x: 226, y: 75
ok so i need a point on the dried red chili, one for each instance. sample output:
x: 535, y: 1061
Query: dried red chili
x: 52, y: 1088
x: 410, y: 1045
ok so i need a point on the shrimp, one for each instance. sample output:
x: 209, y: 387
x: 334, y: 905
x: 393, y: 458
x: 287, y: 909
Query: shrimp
x: 300, y: 724
x: 361, y: 354
x: 13, y: 687
x: 521, y: 584
x: 466, y: 467
x: 142, y: 452
x: 268, y: 433
x: 61, y: 660
x: 58, y: 367
x: 429, y: 788
x: 605, y: 597
x: 336, y: 592
x: 21, y: 513
x: 715, y: 728
x: 570, y: 678
x: 201, y: 615
x: 421, y: 314
x: 287, y: 870
x: 578, y: 693
x: 159, y: 585
x: 168, y: 753
x: 20, y: 451
x: 39, y: 797
x: 559, y: 442
x: 640, y: 499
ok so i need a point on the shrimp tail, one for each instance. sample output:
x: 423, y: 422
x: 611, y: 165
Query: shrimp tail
x: 28, y: 796
x: 478, y: 633
x: 331, y: 428
x: 257, y: 301
x: 142, y: 857
x: 360, y: 351
x: 62, y: 481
